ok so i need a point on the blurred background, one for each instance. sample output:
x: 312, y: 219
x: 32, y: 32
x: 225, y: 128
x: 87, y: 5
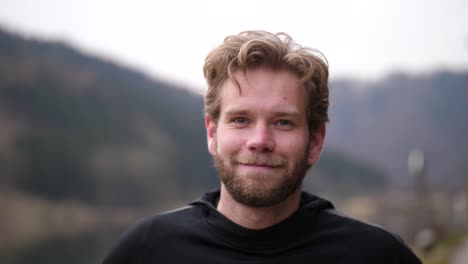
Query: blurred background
x: 101, y: 116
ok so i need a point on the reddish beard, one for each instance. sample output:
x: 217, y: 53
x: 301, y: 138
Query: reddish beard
x: 273, y: 188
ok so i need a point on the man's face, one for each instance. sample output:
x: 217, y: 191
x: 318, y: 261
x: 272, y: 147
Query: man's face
x: 261, y: 143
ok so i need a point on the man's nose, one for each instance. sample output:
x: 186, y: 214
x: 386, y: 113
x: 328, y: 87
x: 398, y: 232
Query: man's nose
x: 261, y: 139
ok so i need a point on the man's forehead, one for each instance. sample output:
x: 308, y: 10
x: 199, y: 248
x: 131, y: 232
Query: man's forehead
x: 243, y: 81
x: 273, y: 91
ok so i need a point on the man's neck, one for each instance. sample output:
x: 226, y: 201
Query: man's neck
x: 257, y: 217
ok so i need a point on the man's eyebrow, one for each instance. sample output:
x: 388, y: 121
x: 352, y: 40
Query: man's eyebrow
x: 282, y: 112
x: 287, y: 112
x: 237, y: 111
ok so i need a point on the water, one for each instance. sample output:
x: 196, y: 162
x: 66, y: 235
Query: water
x: 85, y: 248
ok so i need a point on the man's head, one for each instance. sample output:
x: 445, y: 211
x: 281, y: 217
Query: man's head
x: 252, y: 49
x: 266, y: 107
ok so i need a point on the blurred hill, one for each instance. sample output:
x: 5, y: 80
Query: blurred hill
x: 78, y: 127
x: 75, y: 126
x: 381, y: 122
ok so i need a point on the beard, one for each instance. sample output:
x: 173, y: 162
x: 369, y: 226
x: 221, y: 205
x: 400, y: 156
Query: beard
x: 261, y: 189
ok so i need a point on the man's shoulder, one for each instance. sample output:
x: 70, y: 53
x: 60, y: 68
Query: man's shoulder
x: 359, y: 227
x: 148, y: 231
x: 161, y: 224
x: 360, y: 236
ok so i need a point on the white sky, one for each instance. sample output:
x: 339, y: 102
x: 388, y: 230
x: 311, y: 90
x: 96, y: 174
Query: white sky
x: 170, y: 39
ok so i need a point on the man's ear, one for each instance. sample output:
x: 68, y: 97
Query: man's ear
x: 317, y: 139
x: 211, y: 134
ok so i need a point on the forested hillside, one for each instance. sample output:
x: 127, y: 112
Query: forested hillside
x: 381, y: 122
x: 78, y: 127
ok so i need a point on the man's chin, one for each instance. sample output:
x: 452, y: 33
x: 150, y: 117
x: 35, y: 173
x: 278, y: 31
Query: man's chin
x: 257, y: 193
x: 256, y: 201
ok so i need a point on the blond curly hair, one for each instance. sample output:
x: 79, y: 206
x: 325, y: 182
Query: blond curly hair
x: 251, y: 49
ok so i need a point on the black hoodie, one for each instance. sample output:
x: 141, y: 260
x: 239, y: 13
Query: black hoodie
x: 315, y: 233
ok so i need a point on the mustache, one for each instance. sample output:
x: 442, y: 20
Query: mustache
x: 259, y: 160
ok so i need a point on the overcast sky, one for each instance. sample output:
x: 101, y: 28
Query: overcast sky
x: 170, y: 39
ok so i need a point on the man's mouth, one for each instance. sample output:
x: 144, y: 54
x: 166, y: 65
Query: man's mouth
x: 259, y: 162
x: 263, y: 165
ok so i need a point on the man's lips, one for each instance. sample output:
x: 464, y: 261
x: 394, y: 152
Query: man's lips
x: 259, y: 162
x: 260, y: 165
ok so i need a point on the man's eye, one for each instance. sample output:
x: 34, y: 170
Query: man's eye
x: 239, y: 120
x: 284, y: 123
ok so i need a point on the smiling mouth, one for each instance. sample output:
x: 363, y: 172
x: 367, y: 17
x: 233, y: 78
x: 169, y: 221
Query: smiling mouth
x: 259, y: 162
x: 260, y: 165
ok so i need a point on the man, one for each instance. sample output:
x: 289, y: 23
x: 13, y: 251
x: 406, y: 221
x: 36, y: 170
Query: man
x: 265, y: 114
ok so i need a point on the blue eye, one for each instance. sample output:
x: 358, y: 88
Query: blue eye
x: 239, y: 120
x: 284, y: 123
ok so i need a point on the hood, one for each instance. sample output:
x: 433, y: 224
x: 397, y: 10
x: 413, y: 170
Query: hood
x: 308, y: 201
x: 264, y: 241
